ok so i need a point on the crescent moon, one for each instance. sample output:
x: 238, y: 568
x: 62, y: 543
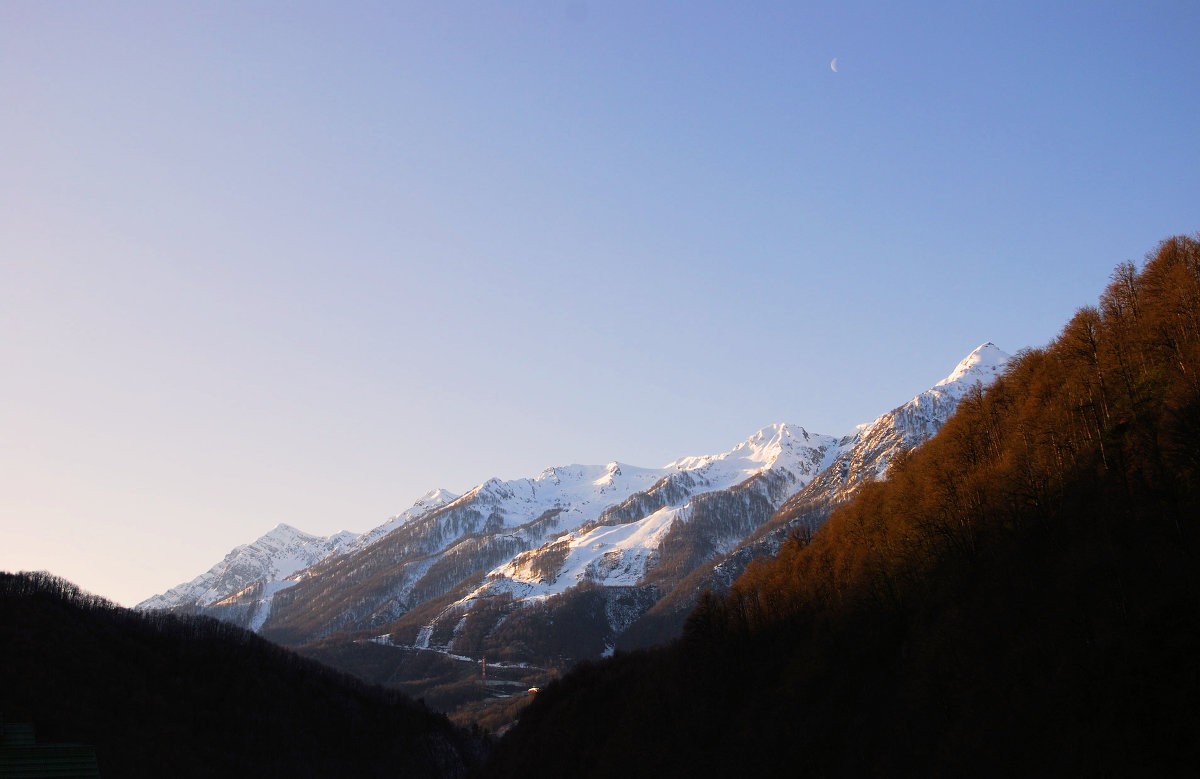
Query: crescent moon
x: 833, y: 65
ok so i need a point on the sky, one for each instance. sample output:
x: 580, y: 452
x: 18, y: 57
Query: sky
x: 268, y: 262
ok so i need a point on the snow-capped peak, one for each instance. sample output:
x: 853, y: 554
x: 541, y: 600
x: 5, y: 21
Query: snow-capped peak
x: 285, y: 532
x: 274, y: 556
x: 434, y: 498
x: 775, y: 444
x: 920, y: 418
x: 983, y: 364
x: 768, y: 444
x: 611, y: 472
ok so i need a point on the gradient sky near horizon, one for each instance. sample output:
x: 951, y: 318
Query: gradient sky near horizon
x: 268, y: 262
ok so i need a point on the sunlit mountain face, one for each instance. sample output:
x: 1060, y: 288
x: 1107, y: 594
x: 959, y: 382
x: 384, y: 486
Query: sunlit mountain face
x: 616, y: 551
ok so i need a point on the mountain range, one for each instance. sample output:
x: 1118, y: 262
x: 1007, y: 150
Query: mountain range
x: 616, y: 552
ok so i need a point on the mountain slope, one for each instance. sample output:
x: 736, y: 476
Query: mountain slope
x: 621, y: 548
x: 861, y: 457
x: 873, y: 446
x: 1019, y: 597
x: 602, y: 576
x: 432, y: 554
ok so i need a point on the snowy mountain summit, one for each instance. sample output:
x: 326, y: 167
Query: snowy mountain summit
x: 424, y: 504
x: 982, y: 365
x: 866, y: 453
x: 781, y: 444
x: 274, y: 557
x: 921, y: 418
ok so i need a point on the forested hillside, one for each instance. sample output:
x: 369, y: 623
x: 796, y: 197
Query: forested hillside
x: 1021, y: 596
x: 159, y: 695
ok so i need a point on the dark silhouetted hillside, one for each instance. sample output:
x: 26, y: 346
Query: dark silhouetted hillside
x: 160, y: 695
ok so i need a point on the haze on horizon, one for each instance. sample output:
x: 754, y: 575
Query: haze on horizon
x: 262, y: 263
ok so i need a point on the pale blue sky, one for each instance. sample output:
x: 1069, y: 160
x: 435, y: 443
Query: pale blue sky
x: 297, y: 262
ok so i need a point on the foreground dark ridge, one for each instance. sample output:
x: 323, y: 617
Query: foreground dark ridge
x: 159, y: 695
x: 1021, y: 597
